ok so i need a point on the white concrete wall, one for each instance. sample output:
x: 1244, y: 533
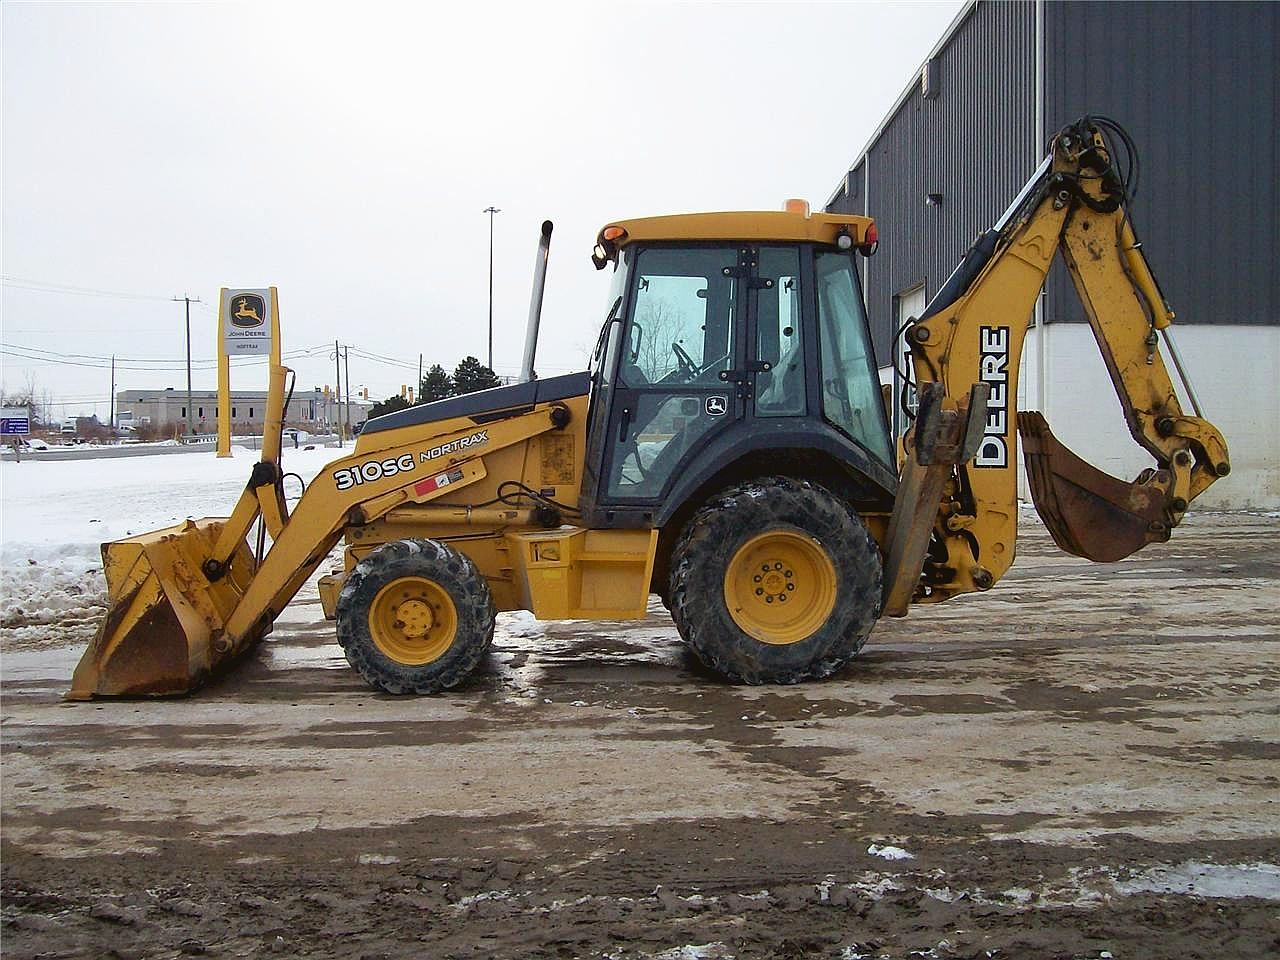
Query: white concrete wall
x: 1236, y: 374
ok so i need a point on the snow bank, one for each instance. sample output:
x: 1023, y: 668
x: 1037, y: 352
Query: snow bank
x: 55, y: 515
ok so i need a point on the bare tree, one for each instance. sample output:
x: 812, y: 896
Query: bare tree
x: 660, y: 323
x: 40, y: 402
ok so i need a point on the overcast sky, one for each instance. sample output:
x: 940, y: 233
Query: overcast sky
x: 344, y: 153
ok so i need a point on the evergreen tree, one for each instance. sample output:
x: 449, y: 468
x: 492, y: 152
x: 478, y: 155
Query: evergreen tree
x: 388, y: 405
x: 472, y: 375
x: 436, y: 385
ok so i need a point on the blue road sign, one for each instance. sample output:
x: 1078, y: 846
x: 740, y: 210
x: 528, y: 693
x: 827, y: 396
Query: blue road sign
x: 15, y: 421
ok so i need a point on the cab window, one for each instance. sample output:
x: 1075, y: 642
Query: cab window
x: 682, y: 318
x: 850, y: 387
x: 780, y: 391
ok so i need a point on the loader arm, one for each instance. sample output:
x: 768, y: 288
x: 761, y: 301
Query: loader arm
x: 318, y: 520
x: 955, y: 520
x: 186, y: 599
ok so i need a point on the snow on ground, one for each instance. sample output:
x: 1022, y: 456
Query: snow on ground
x: 55, y: 515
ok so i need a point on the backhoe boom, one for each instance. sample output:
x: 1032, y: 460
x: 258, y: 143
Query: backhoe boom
x: 972, y: 334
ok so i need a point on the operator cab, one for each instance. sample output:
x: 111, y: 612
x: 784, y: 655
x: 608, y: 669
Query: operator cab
x: 734, y: 344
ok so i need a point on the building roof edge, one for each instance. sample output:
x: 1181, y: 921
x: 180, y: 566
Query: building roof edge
x: 903, y: 97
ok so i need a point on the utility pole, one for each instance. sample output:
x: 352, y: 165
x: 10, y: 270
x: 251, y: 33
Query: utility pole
x: 113, y: 396
x: 188, y: 301
x: 491, y: 210
x: 419, y: 376
x: 346, y: 365
x: 337, y: 394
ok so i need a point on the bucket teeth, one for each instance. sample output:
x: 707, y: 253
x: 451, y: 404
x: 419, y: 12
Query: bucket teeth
x: 140, y: 650
x: 163, y: 632
x: 1088, y: 513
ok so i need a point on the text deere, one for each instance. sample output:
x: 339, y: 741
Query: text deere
x: 994, y: 347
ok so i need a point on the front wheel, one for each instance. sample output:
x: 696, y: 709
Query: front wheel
x: 415, y: 616
x: 775, y: 581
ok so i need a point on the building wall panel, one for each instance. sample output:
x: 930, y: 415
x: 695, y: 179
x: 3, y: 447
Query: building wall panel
x: 971, y: 145
x: 1196, y: 85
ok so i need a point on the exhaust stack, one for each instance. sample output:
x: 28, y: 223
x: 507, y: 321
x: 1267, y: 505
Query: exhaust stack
x: 535, y: 303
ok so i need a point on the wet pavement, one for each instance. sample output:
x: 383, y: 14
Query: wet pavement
x: 1080, y: 763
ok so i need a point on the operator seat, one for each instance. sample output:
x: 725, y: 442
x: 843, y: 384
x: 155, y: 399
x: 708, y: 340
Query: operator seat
x: 783, y: 392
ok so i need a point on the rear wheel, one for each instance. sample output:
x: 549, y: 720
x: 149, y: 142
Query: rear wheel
x: 415, y: 616
x: 775, y: 581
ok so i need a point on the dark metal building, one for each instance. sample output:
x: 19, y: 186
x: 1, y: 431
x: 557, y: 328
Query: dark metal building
x: 1195, y: 84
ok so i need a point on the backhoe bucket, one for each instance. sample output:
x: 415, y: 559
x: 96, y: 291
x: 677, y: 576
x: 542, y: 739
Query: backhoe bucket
x: 163, y: 631
x: 1089, y: 513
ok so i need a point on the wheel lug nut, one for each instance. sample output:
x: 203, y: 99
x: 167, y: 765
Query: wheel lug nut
x: 759, y: 591
x: 765, y: 567
x: 791, y: 586
x: 769, y: 599
x: 756, y: 578
x: 790, y: 574
x: 777, y: 566
x: 782, y: 597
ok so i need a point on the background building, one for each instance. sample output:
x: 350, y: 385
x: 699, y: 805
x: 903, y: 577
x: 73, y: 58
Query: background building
x: 1196, y: 86
x: 312, y: 410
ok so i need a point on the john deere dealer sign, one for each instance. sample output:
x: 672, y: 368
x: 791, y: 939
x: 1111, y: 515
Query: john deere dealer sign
x: 246, y: 322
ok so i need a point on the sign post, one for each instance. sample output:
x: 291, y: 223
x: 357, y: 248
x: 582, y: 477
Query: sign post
x: 15, y: 424
x: 248, y: 326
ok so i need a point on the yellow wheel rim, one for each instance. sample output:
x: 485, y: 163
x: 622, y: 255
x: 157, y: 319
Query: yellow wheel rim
x: 413, y: 620
x: 780, y: 587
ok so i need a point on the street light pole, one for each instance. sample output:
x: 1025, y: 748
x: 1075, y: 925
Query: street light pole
x: 491, y: 210
x: 188, y: 301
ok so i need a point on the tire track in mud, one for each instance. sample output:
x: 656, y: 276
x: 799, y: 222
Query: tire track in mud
x: 449, y: 888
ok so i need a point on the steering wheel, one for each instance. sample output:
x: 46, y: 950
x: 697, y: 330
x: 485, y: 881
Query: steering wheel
x: 688, y: 370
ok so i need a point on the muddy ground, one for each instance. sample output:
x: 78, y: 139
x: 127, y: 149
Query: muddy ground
x: 1082, y: 763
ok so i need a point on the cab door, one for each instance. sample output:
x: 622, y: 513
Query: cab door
x: 678, y: 378
x: 777, y: 365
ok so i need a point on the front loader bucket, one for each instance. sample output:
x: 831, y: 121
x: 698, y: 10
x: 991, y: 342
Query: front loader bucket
x: 162, y: 635
x: 1089, y: 513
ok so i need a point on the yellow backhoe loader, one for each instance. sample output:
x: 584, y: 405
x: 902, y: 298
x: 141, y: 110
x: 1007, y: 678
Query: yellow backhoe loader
x: 728, y: 450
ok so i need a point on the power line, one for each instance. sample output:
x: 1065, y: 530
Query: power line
x: 46, y: 287
x: 166, y: 363
x: 83, y: 356
x: 388, y: 361
x: 97, y: 363
x: 96, y: 328
x: 41, y: 355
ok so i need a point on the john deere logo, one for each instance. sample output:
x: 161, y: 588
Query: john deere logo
x: 248, y: 310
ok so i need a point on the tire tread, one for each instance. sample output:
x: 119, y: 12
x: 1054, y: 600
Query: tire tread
x: 453, y: 570
x: 707, y: 544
